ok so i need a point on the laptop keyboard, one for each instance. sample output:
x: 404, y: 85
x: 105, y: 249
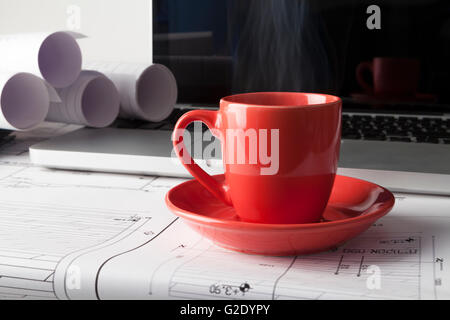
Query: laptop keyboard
x: 398, y: 129
x: 367, y: 127
x: 354, y: 126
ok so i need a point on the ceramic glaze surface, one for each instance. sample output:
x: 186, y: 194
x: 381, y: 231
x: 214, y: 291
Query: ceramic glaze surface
x: 354, y: 205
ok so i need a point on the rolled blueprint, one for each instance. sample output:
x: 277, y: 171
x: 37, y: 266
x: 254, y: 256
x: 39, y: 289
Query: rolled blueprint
x: 92, y: 100
x: 55, y: 56
x: 146, y: 92
x: 24, y: 101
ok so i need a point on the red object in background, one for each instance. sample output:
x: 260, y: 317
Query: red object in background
x: 392, y: 77
x: 309, y: 140
x: 353, y: 207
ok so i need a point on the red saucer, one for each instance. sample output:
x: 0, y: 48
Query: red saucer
x: 353, y: 207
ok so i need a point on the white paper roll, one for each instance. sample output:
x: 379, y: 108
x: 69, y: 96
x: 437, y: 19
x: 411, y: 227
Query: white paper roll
x: 55, y: 56
x: 146, y: 92
x: 24, y: 101
x: 92, y: 100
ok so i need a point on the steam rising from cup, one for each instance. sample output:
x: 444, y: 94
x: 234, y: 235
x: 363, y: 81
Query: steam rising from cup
x: 280, y: 46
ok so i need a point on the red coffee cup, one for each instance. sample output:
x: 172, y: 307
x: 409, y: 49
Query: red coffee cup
x: 280, y: 152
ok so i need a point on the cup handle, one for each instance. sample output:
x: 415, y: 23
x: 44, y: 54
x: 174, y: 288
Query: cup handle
x: 361, y: 69
x: 219, y: 189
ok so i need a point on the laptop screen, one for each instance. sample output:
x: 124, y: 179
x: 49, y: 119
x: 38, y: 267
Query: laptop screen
x: 375, y: 54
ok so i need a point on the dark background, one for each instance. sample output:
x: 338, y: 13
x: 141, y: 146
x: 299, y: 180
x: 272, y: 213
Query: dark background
x: 216, y: 48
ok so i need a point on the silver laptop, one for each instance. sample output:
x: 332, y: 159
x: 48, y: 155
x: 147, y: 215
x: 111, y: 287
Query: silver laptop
x: 400, y: 140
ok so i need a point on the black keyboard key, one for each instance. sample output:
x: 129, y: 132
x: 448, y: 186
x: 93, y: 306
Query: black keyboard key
x: 409, y: 119
x: 439, y: 134
x: 388, y: 128
x: 396, y: 132
x: 361, y: 118
x: 367, y: 127
x: 400, y: 139
x: 417, y: 132
x: 350, y: 130
x: 427, y: 140
x: 431, y: 123
x: 346, y: 124
x: 375, y: 137
x: 409, y: 125
x: 435, y: 129
x: 351, y: 136
x: 385, y: 118
x: 421, y: 139
x: 432, y: 140
x: 420, y: 134
x: 437, y: 121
